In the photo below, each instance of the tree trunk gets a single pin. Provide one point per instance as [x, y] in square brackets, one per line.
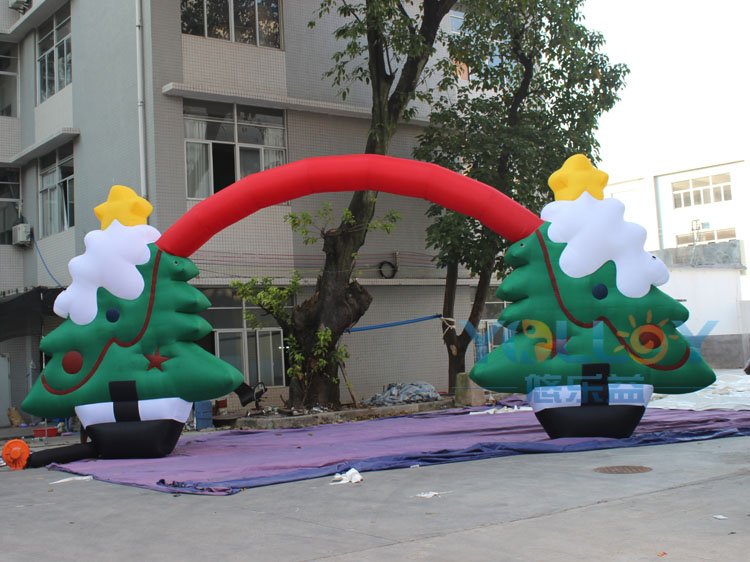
[456, 343]
[338, 302]
[456, 365]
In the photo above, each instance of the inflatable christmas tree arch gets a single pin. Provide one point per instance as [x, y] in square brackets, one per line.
[593, 334]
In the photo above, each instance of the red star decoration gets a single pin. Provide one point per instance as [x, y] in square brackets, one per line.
[155, 360]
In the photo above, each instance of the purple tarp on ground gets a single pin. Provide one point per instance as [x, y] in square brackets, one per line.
[226, 462]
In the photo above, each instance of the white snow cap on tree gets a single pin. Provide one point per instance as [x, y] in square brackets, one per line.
[596, 232]
[110, 262]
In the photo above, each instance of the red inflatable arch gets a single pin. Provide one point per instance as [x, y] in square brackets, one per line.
[347, 173]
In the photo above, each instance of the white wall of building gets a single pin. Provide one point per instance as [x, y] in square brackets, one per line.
[710, 295]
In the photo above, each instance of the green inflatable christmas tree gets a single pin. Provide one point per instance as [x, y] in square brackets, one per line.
[593, 337]
[149, 340]
[126, 352]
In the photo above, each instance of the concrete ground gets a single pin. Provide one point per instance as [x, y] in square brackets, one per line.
[545, 507]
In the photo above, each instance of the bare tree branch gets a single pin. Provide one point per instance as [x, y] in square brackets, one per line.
[407, 18]
[434, 12]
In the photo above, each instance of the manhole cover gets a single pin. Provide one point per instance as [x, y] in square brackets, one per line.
[622, 469]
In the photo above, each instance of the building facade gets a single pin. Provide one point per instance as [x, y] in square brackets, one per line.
[178, 100]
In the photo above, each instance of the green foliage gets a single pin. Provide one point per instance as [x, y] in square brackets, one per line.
[462, 240]
[296, 358]
[270, 298]
[324, 354]
[396, 32]
[305, 362]
[385, 44]
[537, 85]
[313, 227]
[386, 223]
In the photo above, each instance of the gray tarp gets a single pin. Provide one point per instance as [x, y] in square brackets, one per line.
[403, 393]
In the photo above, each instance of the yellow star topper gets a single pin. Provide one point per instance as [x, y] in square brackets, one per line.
[576, 176]
[125, 205]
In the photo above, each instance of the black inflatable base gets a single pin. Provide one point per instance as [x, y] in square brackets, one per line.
[62, 455]
[135, 439]
[600, 420]
[118, 440]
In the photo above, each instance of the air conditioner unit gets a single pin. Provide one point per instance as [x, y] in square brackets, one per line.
[22, 235]
[19, 5]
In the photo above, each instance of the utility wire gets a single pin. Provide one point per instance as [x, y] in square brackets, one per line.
[41, 257]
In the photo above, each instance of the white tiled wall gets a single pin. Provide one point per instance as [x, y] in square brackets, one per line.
[58, 250]
[11, 267]
[10, 138]
[7, 17]
[54, 114]
[216, 65]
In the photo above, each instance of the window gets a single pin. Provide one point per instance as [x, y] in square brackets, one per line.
[56, 191]
[455, 21]
[8, 80]
[9, 198]
[702, 191]
[257, 353]
[255, 22]
[706, 236]
[54, 54]
[726, 234]
[226, 142]
[492, 309]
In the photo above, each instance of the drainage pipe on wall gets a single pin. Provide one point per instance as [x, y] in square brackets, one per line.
[141, 97]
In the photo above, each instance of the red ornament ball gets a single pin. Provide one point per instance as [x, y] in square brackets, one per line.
[72, 362]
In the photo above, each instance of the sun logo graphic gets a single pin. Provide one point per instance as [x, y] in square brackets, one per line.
[647, 343]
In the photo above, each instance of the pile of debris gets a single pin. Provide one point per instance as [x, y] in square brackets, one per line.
[404, 393]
